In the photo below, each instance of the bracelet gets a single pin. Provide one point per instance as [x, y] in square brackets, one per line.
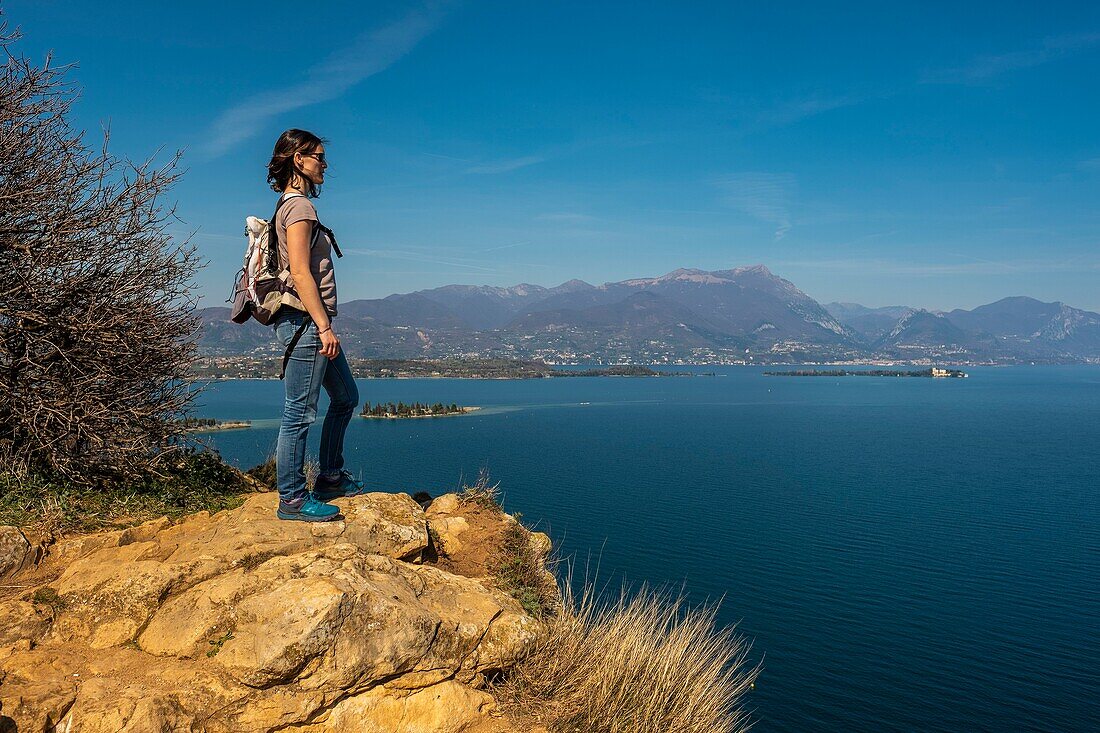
[326, 328]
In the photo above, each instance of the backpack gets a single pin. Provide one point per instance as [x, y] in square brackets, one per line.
[261, 285]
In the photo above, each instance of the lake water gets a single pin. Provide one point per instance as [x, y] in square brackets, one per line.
[906, 554]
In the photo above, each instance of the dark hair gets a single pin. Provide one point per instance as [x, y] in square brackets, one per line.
[280, 170]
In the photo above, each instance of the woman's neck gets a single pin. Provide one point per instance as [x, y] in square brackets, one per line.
[295, 185]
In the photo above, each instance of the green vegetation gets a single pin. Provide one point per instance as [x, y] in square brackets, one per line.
[519, 572]
[48, 597]
[619, 370]
[266, 473]
[216, 644]
[203, 424]
[198, 422]
[400, 409]
[188, 481]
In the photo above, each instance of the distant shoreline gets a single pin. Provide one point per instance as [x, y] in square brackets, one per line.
[559, 373]
[224, 368]
[931, 373]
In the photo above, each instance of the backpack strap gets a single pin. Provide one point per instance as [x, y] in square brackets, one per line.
[272, 263]
[331, 238]
[294, 342]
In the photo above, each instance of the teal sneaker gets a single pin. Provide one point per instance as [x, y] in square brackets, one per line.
[327, 489]
[309, 510]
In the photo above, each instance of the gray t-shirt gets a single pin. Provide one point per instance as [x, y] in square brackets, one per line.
[294, 210]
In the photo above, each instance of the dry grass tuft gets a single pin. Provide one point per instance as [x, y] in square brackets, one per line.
[483, 493]
[312, 468]
[639, 664]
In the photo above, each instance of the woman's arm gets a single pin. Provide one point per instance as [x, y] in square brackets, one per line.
[298, 237]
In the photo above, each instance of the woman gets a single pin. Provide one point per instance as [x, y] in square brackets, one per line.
[296, 170]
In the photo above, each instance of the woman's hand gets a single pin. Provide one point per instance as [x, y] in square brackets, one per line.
[330, 345]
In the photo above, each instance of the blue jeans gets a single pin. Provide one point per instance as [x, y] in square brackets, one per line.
[306, 372]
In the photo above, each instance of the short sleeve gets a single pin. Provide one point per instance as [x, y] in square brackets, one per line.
[297, 209]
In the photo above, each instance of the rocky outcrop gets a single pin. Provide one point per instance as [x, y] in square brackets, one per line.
[15, 551]
[240, 622]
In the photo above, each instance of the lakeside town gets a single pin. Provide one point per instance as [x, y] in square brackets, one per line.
[216, 368]
[266, 366]
[933, 373]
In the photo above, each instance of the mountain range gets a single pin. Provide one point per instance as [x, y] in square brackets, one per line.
[687, 316]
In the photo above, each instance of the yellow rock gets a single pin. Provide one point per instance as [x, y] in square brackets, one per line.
[447, 707]
[240, 622]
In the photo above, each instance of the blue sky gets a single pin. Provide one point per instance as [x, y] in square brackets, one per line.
[932, 154]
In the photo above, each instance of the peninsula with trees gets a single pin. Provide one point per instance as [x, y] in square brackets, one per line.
[400, 410]
[209, 424]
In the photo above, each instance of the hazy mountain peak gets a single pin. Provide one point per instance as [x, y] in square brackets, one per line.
[1017, 300]
[572, 285]
[702, 277]
[752, 270]
[690, 275]
[524, 289]
[682, 274]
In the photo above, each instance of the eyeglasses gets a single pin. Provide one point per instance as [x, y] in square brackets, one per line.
[319, 156]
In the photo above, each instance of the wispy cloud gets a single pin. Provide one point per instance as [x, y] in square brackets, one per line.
[372, 52]
[793, 110]
[566, 216]
[763, 196]
[448, 157]
[513, 245]
[987, 67]
[1092, 164]
[506, 165]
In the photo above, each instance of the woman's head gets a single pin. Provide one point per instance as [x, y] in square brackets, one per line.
[299, 161]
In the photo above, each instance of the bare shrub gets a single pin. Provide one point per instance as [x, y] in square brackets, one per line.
[642, 663]
[96, 322]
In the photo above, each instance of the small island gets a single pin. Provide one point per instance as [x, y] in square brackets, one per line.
[400, 410]
[934, 372]
[209, 424]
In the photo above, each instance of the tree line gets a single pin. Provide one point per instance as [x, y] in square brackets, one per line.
[416, 409]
